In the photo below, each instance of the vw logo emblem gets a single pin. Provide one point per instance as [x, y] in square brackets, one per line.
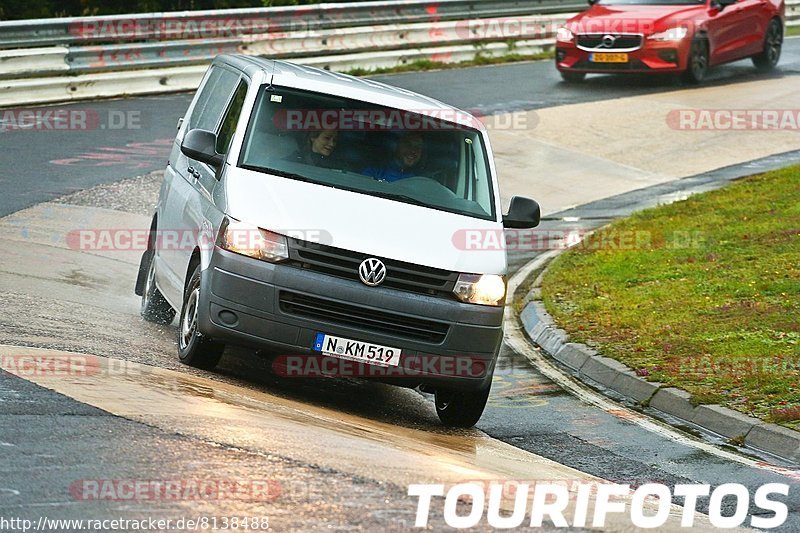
[372, 271]
[608, 41]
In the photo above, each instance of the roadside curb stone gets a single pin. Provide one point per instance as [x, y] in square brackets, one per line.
[529, 318]
[630, 385]
[593, 369]
[775, 439]
[675, 402]
[603, 370]
[574, 355]
[552, 339]
[724, 421]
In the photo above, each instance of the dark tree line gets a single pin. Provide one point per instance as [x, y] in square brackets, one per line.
[34, 9]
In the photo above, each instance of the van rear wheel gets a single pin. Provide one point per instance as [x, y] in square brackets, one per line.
[194, 348]
[461, 409]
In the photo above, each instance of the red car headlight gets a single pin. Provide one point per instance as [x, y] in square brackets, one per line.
[672, 34]
[564, 35]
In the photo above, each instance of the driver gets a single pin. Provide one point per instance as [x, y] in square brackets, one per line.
[406, 160]
[318, 149]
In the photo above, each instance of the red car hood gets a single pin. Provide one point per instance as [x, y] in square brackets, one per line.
[646, 19]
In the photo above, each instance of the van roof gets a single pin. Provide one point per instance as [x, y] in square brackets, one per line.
[379, 92]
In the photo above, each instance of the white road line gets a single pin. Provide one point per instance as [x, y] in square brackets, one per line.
[516, 339]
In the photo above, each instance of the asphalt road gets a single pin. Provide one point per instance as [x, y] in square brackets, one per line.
[126, 137]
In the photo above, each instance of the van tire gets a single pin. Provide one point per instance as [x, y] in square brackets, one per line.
[154, 307]
[461, 409]
[194, 348]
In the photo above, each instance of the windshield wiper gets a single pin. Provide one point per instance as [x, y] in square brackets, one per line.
[400, 198]
[281, 173]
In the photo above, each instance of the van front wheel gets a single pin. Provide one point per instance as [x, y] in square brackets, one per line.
[154, 307]
[194, 348]
[461, 409]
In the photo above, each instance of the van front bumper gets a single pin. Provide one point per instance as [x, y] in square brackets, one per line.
[445, 343]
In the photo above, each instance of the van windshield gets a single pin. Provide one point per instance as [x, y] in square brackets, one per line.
[437, 161]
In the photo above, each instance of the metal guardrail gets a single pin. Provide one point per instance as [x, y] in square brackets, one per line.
[238, 22]
[101, 44]
[304, 43]
[91, 57]
[793, 13]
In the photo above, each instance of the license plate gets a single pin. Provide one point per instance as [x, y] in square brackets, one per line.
[608, 57]
[373, 354]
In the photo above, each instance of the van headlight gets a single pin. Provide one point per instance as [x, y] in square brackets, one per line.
[246, 239]
[485, 289]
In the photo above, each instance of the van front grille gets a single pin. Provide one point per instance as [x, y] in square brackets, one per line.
[344, 264]
[362, 318]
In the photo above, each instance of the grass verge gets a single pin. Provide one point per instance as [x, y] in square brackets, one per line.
[792, 31]
[427, 64]
[703, 295]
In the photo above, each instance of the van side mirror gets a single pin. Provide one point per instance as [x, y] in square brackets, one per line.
[200, 145]
[523, 213]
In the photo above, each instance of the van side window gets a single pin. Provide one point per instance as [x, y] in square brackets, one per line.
[231, 118]
[212, 99]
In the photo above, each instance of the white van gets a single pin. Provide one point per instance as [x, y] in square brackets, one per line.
[318, 216]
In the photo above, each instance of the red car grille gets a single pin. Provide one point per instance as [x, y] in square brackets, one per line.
[609, 41]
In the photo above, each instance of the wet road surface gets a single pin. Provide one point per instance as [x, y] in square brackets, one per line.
[526, 410]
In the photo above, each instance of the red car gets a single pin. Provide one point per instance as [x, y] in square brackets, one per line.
[685, 37]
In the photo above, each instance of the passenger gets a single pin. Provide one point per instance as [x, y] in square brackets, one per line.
[405, 162]
[317, 149]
